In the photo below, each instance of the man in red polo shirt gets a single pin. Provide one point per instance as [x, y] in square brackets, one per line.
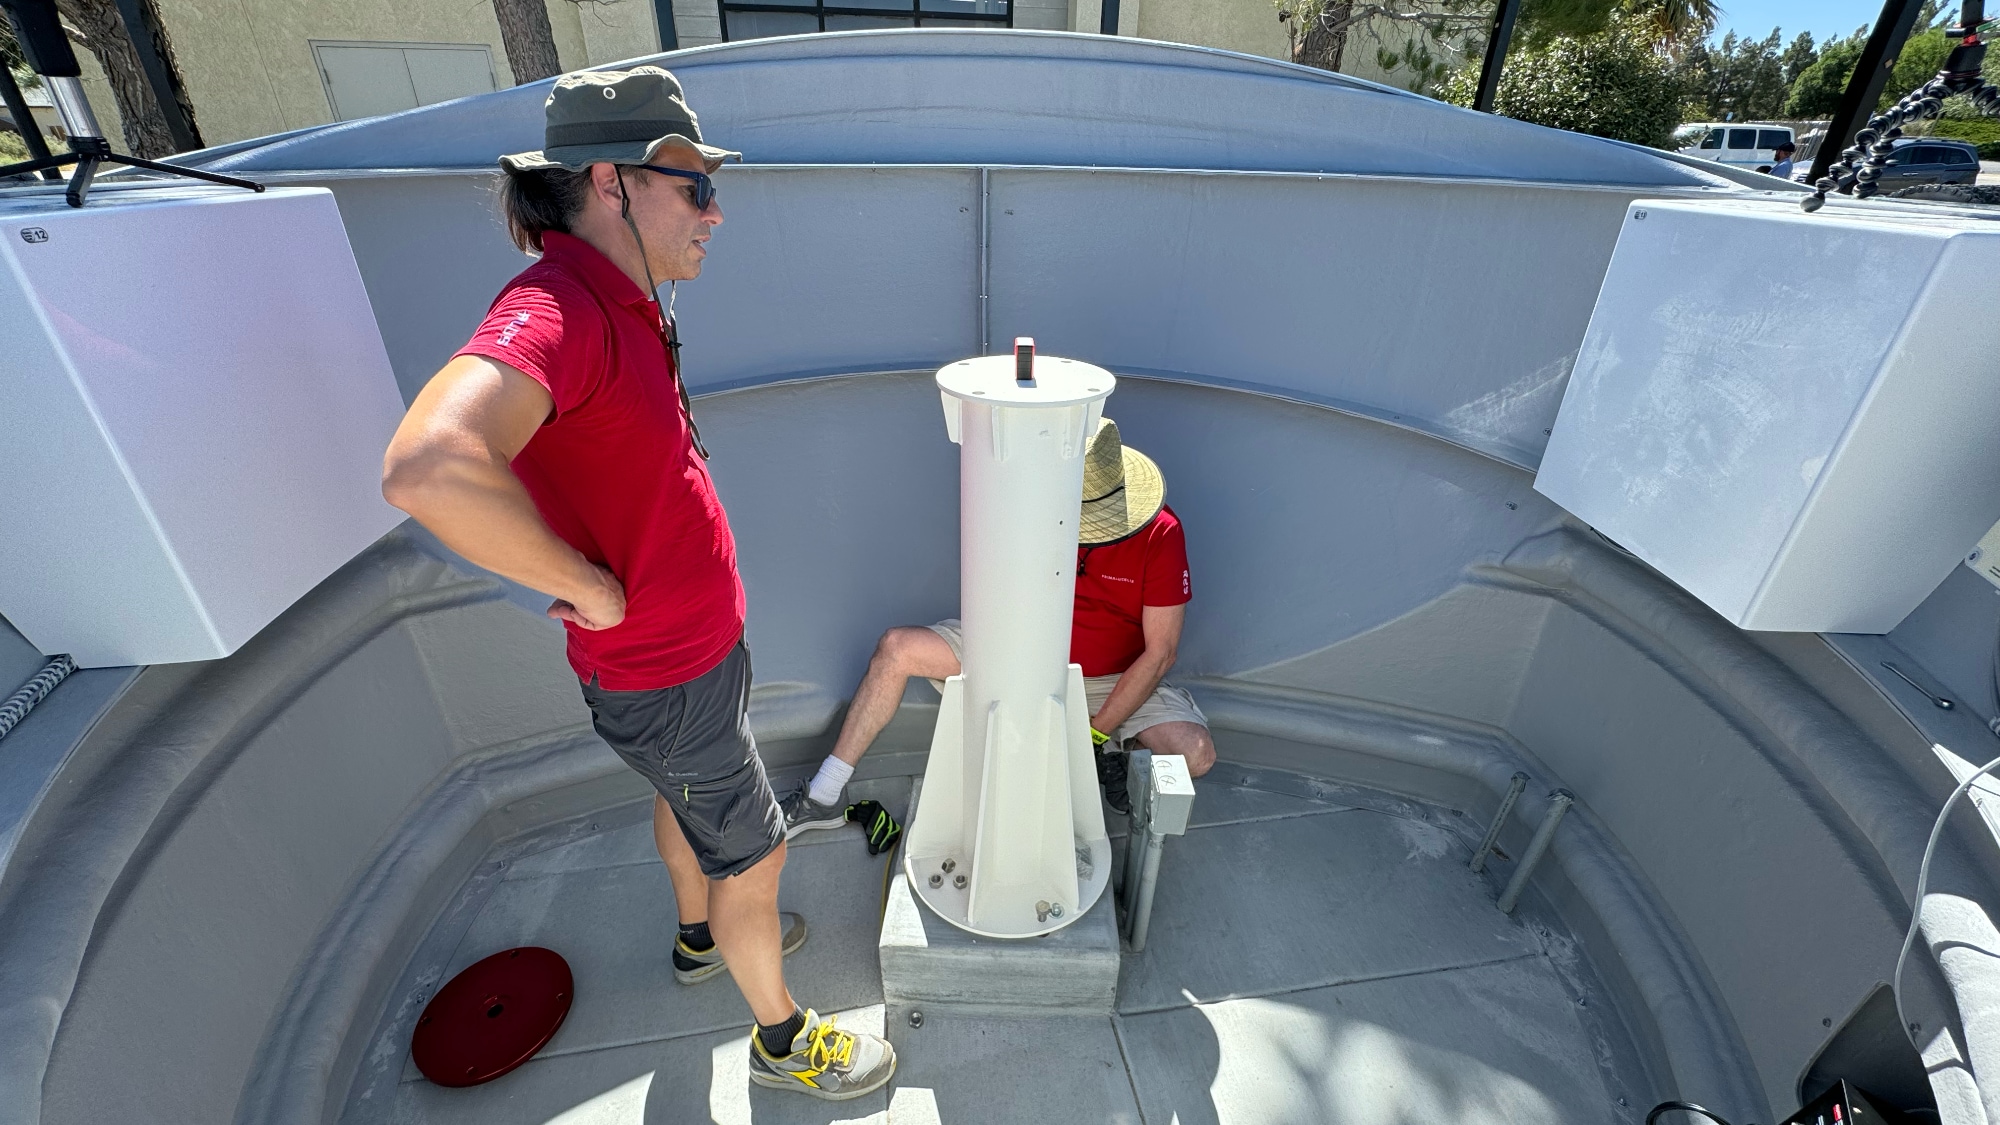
[1132, 590]
[559, 448]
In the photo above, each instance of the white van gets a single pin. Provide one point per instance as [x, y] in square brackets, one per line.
[1745, 145]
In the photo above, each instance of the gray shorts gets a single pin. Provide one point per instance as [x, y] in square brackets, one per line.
[693, 742]
[1167, 704]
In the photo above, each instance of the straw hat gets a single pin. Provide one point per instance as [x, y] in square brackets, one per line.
[616, 117]
[1122, 489]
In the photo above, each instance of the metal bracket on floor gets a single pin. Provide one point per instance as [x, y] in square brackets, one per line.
[1162, 796]
[1538, 846]
[1514, 787]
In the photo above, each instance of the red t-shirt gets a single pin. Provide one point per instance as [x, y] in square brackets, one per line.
[1114, 581]
[614, 470]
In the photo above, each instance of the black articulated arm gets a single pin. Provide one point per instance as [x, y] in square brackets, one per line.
[1861, 163]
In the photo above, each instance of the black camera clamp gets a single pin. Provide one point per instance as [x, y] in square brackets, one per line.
[1861, 163]
[38, 28]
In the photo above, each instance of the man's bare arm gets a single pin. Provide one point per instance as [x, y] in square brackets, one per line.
[1162, 627]
[449, 466]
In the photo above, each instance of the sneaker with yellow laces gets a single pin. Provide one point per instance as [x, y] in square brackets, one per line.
[825, 1062]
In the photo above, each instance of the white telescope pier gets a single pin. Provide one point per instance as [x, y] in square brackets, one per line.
[1008, 838]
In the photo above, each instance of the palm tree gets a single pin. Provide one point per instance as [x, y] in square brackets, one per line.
[1671, 19]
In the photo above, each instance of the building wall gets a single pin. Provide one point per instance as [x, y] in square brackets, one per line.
[249, 66]
[250, 70]
[1249, 26]
[698, 22]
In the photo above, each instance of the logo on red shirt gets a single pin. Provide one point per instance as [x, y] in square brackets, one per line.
[507, 333]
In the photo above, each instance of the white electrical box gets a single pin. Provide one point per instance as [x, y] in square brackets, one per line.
[196, 402]
[1790, 415]
[1985, 558]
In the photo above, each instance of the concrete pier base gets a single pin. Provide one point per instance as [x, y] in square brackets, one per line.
[930, 963]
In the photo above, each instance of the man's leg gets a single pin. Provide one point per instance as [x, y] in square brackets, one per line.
[901, 653]
[743, 917]
[690, 885]
[1190, 740]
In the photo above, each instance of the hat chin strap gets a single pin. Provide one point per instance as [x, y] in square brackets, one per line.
[669, 335]
[625, 213]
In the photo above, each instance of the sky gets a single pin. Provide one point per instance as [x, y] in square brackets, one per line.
[1826, 19]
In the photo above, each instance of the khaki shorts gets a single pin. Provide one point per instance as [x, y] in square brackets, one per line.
[1168, 704]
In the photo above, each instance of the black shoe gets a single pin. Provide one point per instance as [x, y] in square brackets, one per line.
[803, 814]
[1111, 777]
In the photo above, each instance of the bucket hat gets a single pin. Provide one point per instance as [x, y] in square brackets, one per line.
[1122, 489]
[615, 117]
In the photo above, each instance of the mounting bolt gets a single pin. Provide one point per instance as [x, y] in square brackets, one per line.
[1042, 911]
[948, 866]
[958, 881]
[937, 881]
[1055, 910]
[916, 1019]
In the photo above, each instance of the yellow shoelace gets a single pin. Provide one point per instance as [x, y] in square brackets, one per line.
[820, 1056]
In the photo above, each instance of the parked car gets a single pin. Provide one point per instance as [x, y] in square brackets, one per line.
[1749, 146]
[1914, 160]
[1930, 160]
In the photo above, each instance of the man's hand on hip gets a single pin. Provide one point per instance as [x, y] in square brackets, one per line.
[599, 607]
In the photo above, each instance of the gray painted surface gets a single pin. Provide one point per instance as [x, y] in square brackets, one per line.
[1358, 549]
[961, 97]
[1293, 1019]
[1522, 661]
[822, 271]
[295, 823]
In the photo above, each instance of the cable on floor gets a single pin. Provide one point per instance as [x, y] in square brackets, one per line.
[1684, 1107]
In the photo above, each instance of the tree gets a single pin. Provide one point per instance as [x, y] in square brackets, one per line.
[1923, 56]
[1735, 80]
[529, 40]
[1797, 57]
[1323, 29]
[97, 26]
[1614, 84]
[1816, 91]
[1428, 38]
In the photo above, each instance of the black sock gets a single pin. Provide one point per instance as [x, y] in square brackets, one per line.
[695, 936]
[777, 1037]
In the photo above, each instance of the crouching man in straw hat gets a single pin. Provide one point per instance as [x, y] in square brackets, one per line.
[1132, 591]
[558, 448]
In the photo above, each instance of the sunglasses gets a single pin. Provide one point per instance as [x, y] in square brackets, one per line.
[704, 188]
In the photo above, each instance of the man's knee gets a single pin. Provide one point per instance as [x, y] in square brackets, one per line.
[1190, 740]
[896, 650]
[764, 871]
[913, 650]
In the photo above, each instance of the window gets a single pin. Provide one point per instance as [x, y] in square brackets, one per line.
[370, 79]
[1713, 140]
[1957, 156]
[1743, 138]
[1772, 138]
[755, 19]
[1927, 154]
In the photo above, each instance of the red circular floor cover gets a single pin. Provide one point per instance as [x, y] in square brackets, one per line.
[492, 1017]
